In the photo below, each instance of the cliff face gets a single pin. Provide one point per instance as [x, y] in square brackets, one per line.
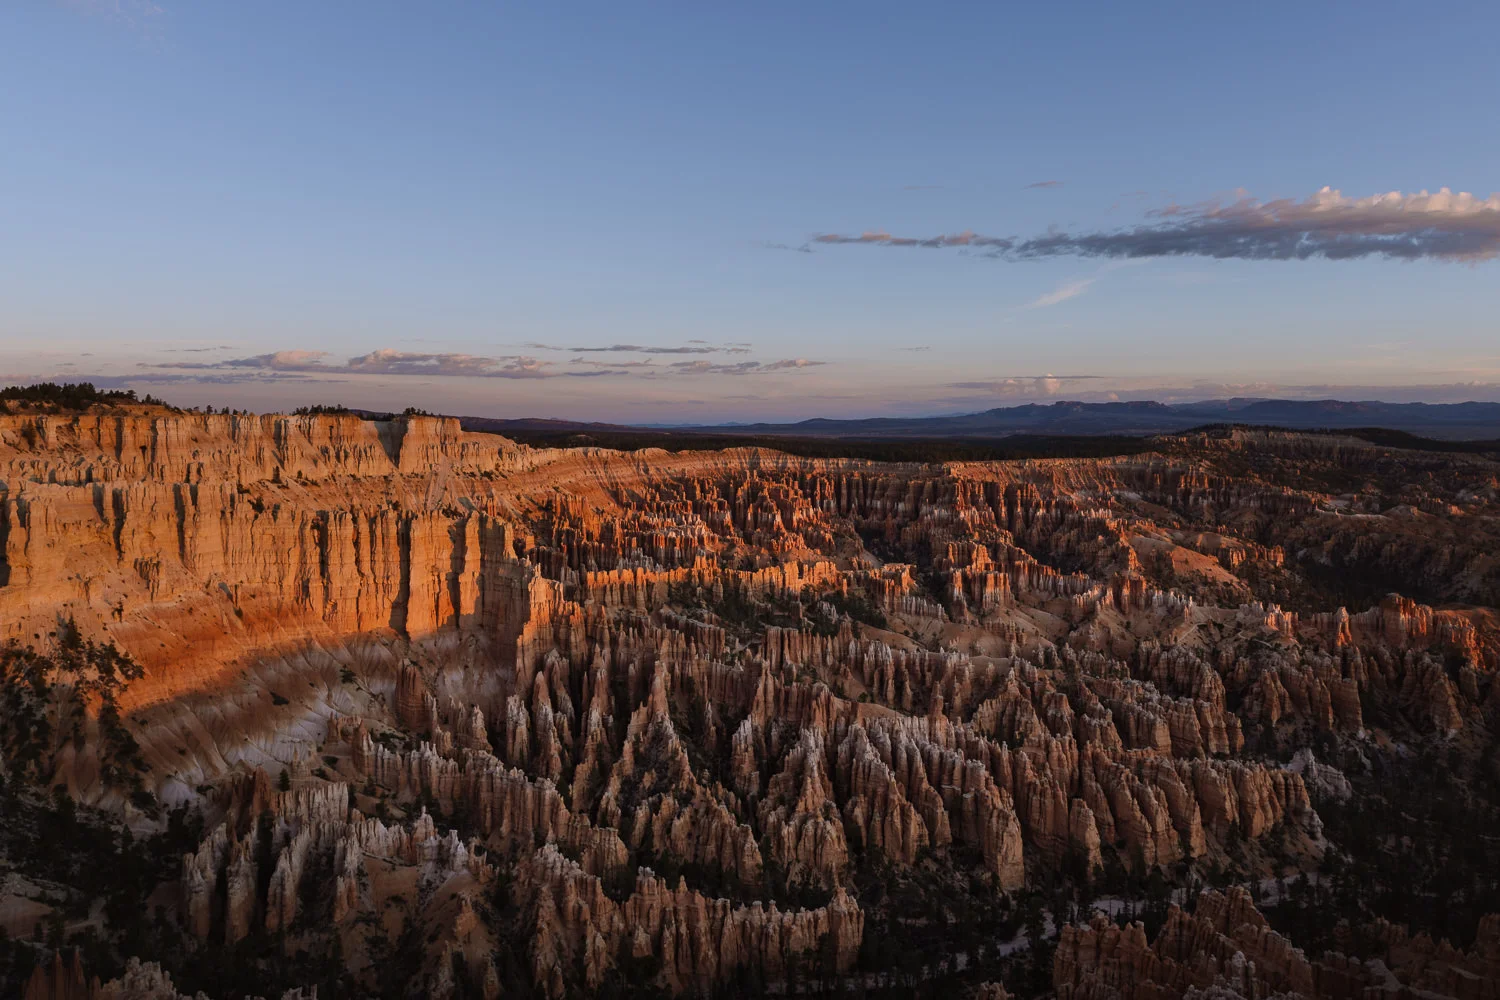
[153, 446]
[661, 717]
[206, 536]
[1225, 944]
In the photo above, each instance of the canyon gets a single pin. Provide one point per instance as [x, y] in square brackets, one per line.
[316, 705]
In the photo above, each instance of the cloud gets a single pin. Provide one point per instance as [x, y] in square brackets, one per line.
[639, 349]
[1441, 226]
[740, 368]
[1044, 184]
[381, 362]
[294, 364]
[804, 248]
[710, 368]
[1062, 293]
[691, 348]
[202, 377]
[612, 364]
[883, 239]
[391, 362]
[284, 361]
[1022, 385]
[1071, 289]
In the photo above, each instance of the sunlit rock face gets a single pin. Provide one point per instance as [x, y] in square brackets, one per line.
[484, 717]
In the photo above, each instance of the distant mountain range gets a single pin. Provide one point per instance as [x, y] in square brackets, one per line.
[1446, 421]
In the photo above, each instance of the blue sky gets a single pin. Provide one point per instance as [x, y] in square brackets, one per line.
[445, 199]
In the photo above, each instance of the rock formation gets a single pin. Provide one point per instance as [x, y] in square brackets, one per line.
[661, 716]
[1226, 949]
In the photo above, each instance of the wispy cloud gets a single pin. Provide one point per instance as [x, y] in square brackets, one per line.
[1062, 293]
[692, 347]
[391, 362]
[1044, 184]
[297, 364]
[285, 361]
[880, 238]
[612, 364]
[772, 366]
[209, 377]
[1442, 226]
[381, 362]
[1023, 386]
[740, 368]
[1076, 287]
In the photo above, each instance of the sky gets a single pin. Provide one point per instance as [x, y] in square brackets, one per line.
[674, 213]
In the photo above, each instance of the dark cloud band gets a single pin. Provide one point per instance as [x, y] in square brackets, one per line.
[1441, 226]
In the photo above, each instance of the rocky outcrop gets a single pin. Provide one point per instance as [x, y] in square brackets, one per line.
[655, 798]
[65, 980]
[699, 941]
[800, 818]
[221, 881]
[1225, 944]
[1225, 949]
[61, 979]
